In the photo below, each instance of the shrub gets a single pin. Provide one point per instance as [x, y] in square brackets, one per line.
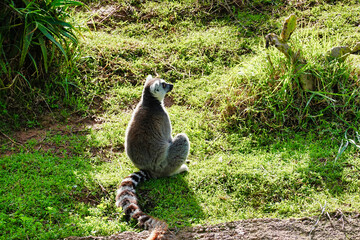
[31, 36]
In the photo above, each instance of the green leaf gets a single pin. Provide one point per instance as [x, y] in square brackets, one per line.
[63, 3]
[26, 41]
[44, 30]
[44, 52]
[35, 65]
[69, 35]
[342, 148]
[288, 27]
[58, 22]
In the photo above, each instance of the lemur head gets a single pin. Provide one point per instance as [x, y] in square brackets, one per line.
[157, 87]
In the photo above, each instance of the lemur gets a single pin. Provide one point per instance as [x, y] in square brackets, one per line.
[150, 146]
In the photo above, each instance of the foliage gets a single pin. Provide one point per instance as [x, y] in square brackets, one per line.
[261, 146]
[31, 32]
[36, 41]
[223, 68]
[276, 98]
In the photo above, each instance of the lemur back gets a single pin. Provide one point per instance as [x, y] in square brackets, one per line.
[151, 148]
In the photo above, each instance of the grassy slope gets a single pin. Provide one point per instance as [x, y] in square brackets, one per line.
[235, 174]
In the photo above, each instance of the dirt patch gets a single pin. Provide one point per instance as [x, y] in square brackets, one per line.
[111, 14]
[329, 226]
[88, 197]
[49, 126]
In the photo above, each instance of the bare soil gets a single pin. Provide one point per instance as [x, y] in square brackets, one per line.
[328, 226]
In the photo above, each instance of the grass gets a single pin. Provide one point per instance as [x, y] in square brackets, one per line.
[69, 189]
[260, 146]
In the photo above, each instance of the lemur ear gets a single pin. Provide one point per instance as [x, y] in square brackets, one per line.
[149, 77]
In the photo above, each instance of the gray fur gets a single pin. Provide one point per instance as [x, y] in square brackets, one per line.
[151, 148]
[148, 142]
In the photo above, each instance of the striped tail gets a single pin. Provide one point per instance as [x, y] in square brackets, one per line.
[127, 200]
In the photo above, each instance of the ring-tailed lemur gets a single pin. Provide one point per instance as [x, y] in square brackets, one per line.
[149, 145]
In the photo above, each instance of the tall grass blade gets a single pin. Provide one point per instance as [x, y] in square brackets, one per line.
[27, 38]
[354, 143]
[44, 30]
[63, 3]
[34, 63]
[44, 52]
[342, 148]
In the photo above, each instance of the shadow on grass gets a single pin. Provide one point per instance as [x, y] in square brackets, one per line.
[61, 193]
[284, 179]
[61, 190]
[326, 174]
[172, 200]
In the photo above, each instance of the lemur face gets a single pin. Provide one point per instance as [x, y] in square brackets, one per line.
[158, 87]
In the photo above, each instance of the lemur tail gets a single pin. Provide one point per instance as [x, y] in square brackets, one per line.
[127, 200]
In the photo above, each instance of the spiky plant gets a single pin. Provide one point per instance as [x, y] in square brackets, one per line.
[32, 33]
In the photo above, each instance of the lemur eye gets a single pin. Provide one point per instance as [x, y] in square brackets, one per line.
[164, 85]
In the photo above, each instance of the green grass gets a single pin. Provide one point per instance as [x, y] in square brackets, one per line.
[260, 145]
[41, 201]
[69, 189]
